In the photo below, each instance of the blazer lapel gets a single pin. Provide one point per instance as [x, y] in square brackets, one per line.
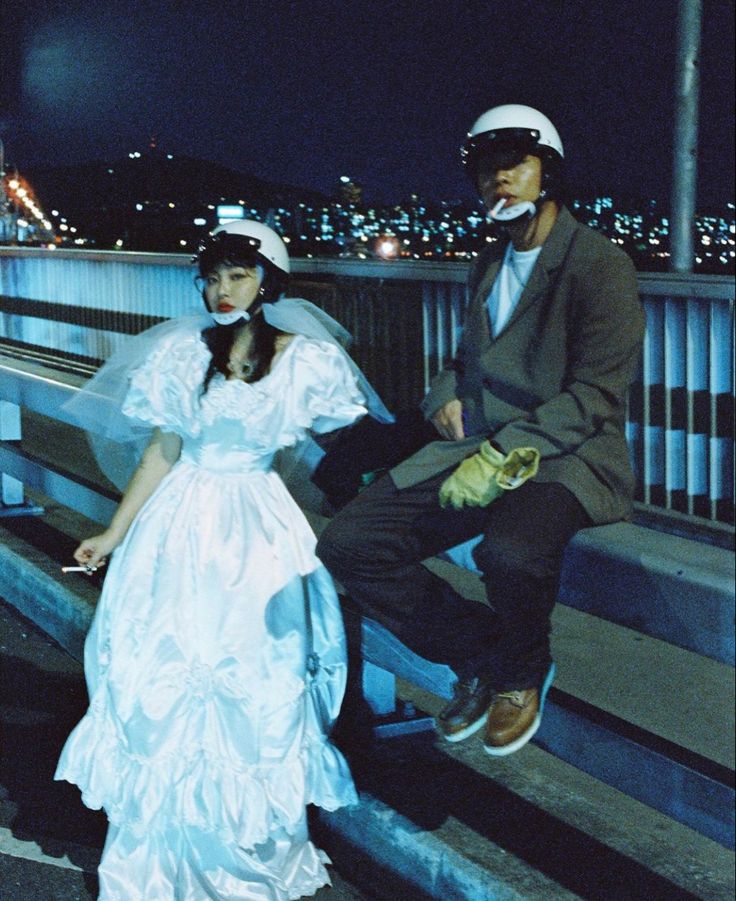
[554, 251]
[481, 296]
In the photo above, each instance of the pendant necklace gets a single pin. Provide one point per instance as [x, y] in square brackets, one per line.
[239, 369]
[239, 366]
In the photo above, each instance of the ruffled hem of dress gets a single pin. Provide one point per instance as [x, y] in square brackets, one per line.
[312, 874]
[242, 806]
[174, 863]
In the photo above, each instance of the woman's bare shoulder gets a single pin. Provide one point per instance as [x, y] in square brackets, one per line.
[283, 341]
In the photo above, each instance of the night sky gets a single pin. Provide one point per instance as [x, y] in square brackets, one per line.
[303, 92]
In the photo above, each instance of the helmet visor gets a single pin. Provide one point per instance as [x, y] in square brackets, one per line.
[224, 247]
[503, 149]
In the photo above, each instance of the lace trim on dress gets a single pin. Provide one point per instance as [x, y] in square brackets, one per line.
[242, 805]
[165, 391]
[326, 396]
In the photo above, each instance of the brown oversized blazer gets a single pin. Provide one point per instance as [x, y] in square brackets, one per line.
[556, 377]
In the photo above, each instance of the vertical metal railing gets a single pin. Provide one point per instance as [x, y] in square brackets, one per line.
[685, 455]
[407, 320]
[443, 310]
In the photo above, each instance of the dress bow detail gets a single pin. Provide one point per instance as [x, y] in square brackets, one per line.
[180, 680]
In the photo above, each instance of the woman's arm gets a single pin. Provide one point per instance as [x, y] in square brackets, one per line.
[162, 452]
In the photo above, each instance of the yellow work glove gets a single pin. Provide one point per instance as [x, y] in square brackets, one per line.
[481, 478]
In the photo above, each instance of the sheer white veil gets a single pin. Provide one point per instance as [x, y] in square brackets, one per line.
[301, 317]
[118, 441]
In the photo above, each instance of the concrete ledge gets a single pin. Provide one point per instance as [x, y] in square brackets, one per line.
[668, 587]
[416, 856]
[28, 583]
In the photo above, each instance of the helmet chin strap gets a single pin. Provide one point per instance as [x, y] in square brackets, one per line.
[229, 318]
[501, 213]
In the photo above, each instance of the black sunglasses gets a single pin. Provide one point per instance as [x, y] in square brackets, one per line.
[225, 246]
[500, 149]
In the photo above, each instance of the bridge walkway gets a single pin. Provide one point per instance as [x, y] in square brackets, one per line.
[448, 822]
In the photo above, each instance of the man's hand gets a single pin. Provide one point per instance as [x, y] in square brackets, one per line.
[448, 421]
[482, 477]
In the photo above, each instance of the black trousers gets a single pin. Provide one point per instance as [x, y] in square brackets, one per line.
[376, 544]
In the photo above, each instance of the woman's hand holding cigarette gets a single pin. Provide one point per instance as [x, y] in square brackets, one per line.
[92, 553]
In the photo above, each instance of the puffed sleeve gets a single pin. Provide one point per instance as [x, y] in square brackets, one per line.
[326, 389]
[147, 382]
[310, 388]
[165, 389]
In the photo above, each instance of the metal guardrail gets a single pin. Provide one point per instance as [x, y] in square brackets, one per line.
[31, 386]
[406, 317]
[670, 778]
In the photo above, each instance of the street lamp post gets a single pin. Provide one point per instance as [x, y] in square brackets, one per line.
[3, 196]
[685, 162]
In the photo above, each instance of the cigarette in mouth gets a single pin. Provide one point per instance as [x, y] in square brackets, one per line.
[497, 208]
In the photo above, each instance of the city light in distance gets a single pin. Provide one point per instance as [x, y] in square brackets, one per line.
[387, 247]
[344, 225]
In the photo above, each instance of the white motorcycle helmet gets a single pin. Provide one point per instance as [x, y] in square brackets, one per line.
[526, 130]
[250, 243]
[270, 246]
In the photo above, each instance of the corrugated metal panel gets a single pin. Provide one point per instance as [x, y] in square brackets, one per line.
[407, 323]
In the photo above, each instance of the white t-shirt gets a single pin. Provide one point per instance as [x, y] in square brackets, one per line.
[509, 285]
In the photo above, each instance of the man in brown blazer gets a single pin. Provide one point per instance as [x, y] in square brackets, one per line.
[550, 344]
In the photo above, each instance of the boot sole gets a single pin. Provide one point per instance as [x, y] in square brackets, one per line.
[466, 732]
[524, 738]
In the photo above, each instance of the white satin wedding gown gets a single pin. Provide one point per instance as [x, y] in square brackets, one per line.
[206, 734]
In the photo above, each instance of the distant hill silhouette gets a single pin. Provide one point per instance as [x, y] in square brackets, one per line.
[100, 198]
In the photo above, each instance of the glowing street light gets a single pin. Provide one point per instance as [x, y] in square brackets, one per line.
[387, 247]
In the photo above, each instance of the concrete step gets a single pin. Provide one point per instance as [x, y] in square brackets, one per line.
[454, 823]
[446, 822]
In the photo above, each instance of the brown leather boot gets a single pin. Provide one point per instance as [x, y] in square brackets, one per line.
[467, 710]
[514, 717]
[512, 720]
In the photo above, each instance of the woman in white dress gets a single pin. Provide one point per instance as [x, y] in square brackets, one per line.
[216, 661]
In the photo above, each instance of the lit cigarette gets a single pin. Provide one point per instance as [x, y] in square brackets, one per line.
[497, 208]
[79, 569]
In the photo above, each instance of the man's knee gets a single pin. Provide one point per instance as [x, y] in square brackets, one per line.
[503, 559]
[330, 546]
[342, 545]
